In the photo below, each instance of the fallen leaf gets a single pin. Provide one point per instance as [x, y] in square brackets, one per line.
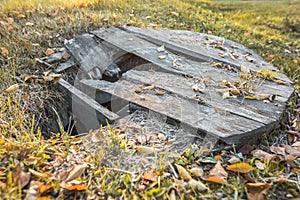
[150, 175]
[78, 187]
[161, 48]
[280, 81]
[4, 51]
[262, 155]
[240, 167]
[162, 57]
[233, 160]
[49, 51]
[257, 191]
[197, 185]
[20, 176]
[218, 170]
[150, 87]
[31, 160]
[27, 78]
[260, 97]
[290, 150]
[197, 172]
[33, 192]
[160, 92]
[42, 187]
[278, 150]
[218, 157]
[216, 179]
[183, 173]
[138, 91]
[146, 150]
[52, 78]
[12, 88]
[76, 172]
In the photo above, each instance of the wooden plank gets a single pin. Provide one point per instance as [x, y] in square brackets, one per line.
[88, 113]
[201, 117]
[206, 47]
[181, 86]
[146, 50]
[91, 54]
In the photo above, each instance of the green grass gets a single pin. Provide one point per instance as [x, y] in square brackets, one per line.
[269, 28]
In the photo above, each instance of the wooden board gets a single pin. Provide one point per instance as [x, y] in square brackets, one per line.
[188, 60]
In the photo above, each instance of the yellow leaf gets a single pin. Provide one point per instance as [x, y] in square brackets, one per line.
[240, 167]
[138, 91]
[12, 88]
[160, 92]
[280, 81]
[78, 187]
[2, 141]
[216, 179]
[183, 173]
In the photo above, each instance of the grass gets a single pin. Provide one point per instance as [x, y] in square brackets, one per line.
[29, 28]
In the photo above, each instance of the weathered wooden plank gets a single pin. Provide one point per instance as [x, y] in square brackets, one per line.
[88, 113]
[206, 47]
[146, 50]
[92, 55]
[201, 117]
[182, 86]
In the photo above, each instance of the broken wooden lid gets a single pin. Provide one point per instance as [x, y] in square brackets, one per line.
[211, 85]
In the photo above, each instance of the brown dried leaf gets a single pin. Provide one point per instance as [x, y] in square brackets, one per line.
[262, 155]
[151, 87]
[4, 51]
[197, 172]
[278, 150]
[218, 170]
[290, 150]
[183, 173]
[233, 160]
[257, 191]
[146, 150]
[49, 51]
[20, 176]
[76, 172]
[150, 175]
[197, 185]
[240, 167]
